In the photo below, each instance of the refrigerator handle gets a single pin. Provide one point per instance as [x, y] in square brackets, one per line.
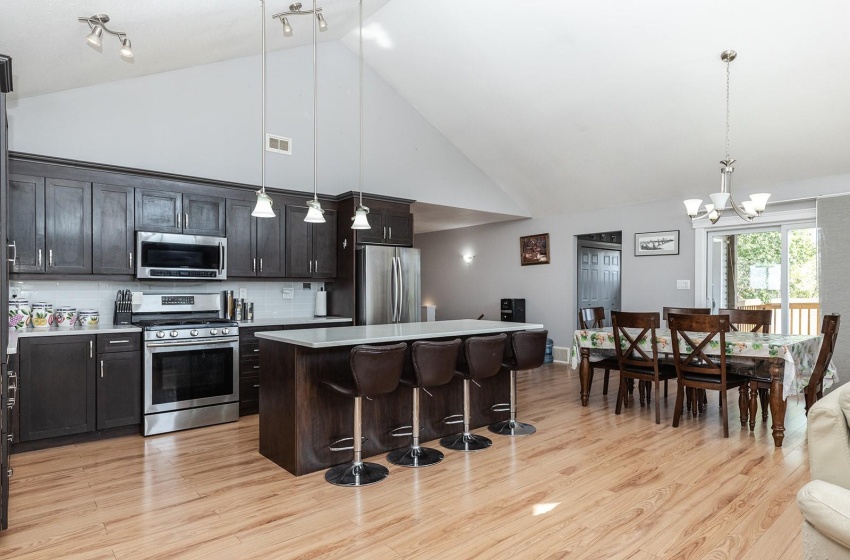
[394, 290]
[400, 291]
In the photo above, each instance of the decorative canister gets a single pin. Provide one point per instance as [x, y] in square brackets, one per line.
[88, 317]
[25, 310]
[42, 315]
[17, 320]
[65, 317]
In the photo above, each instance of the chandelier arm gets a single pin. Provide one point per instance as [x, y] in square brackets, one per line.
[742, 213]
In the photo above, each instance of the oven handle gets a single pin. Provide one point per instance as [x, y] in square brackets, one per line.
[191, 342]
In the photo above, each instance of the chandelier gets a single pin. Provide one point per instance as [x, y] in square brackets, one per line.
[748, 209]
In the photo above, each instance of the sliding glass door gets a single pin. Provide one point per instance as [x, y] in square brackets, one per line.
[772, 267]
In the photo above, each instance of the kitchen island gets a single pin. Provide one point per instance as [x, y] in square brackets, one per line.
[299, 418]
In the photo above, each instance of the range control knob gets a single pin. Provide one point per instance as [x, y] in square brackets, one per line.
[213, 332]
[160, 334]
[173, 334]
[225, 331]
[193, 332]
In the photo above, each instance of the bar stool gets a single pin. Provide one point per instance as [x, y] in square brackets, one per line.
[433, 365]
[529, 349]
[483, 359]
[375, 370]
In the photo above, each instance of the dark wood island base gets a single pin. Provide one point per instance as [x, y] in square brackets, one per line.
[299, 418]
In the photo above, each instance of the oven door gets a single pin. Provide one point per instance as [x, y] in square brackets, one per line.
[191, 373]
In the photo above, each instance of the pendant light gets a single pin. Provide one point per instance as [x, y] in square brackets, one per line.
[748, 209]
[315, 214]
[263, 208]
[360, 219]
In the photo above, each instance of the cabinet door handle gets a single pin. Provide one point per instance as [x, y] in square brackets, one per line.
[10, 437]
[261, 265]
[385, 232]
[253, 265]
[38, 259]
[130, 255]
[256, 367]
[311, 267]
[50, 257]
[14, 253]
[256, 349]
[391, 232]
[178, 220]
[186, 220]
[91, 349]
[101, 368]
[256, 386]
[316, 268]
[119, 342]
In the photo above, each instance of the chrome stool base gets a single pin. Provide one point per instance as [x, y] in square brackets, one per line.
[356, 474]
[466, 442]
[415, 457]
[512, 428]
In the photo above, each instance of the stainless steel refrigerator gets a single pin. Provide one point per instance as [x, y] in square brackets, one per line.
[388, 289]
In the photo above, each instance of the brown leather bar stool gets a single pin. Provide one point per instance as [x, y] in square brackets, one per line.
[529, 350]
[433, 365]
[483, 359]
[375, 370]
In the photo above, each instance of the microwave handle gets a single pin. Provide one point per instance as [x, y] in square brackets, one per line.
[220, 257]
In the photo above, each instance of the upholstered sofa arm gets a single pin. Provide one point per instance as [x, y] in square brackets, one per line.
[827, 508]
[829, 438]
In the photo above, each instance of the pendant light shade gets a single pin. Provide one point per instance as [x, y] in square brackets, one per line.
[263, 209]
[360, 221]
[315, 214]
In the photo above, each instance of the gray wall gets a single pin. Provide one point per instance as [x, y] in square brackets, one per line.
[835, 272]
[461, 290]
[205, 121]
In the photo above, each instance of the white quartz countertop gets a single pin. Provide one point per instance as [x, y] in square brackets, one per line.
[271, 321]
[385, 334]
[64, 331]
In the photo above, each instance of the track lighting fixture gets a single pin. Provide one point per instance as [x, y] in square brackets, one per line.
[97, 24]
[295, 10]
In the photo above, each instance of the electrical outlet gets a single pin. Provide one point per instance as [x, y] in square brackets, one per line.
[683, 284]
[288, 293]
[14, 293]
[243, 293]
[307, 286]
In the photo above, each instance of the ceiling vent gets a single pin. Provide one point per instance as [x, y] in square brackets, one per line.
[279, 144]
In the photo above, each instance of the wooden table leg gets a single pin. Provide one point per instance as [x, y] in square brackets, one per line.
[584, 374]
[777, 402]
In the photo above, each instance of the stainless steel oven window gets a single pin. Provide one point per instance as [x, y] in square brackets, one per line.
[186, 374]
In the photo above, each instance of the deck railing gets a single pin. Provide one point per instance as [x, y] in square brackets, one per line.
[805, 317]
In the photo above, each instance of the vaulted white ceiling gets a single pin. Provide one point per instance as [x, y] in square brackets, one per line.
[564, 105]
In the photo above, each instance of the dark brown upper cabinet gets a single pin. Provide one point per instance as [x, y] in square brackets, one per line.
[388, 227]
[310, 248]
[255, 246]
[170, 212]
[113, 214]
[26, 223]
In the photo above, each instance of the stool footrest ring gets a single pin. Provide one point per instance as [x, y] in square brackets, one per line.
[501, 407]
[396, 433]
[333, 445]
[453, 419]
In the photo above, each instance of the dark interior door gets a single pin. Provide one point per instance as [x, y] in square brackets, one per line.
[599, 278]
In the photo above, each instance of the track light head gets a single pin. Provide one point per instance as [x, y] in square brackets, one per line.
[287, 29]
[126, 48]
[323, 25]
[97, 24]
[94, 38]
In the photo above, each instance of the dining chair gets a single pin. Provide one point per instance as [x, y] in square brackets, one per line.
[594, 318]
[697, 370]
[751, 320]
[635, 362]
[665, 312]
[829, 335]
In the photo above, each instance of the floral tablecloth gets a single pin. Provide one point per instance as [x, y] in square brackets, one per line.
[799, 352]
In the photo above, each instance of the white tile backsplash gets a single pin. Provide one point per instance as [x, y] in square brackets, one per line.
[266, 296]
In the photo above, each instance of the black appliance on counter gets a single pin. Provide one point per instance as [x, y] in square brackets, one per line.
[8, 381]
[191, 361]
[513, 310]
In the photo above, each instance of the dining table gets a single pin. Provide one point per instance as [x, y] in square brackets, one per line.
[791, 359]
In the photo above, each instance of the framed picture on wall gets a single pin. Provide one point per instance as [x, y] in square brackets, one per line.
[654, 243]
[534, 249]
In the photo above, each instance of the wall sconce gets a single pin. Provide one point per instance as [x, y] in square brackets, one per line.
[97, 24]
[467, 258]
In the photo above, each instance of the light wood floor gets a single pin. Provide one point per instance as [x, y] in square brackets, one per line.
[588, 484]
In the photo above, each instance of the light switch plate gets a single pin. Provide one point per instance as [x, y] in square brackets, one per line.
[243, 293]
[14, 292]
[683, 284]
[288, 293]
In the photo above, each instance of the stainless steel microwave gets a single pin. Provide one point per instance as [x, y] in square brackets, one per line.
[175, 256]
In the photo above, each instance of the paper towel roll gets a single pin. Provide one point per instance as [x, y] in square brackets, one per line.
[321, 303]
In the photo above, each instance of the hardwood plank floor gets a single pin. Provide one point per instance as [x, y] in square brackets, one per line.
[588, 484]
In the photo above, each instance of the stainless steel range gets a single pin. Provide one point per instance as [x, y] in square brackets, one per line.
[191, 361]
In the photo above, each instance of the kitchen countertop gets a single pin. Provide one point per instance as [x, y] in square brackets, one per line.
[271, 321]
[103, 328]
[382, 334]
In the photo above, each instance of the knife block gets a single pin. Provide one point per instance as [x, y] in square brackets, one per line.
[120, 317]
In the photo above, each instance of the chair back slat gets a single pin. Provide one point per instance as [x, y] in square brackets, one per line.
[627, 345]
[829, 332]
[752, 320]
[591, 317]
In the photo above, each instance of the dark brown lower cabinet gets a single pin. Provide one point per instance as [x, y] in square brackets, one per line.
[57, 386]
[67, 387]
